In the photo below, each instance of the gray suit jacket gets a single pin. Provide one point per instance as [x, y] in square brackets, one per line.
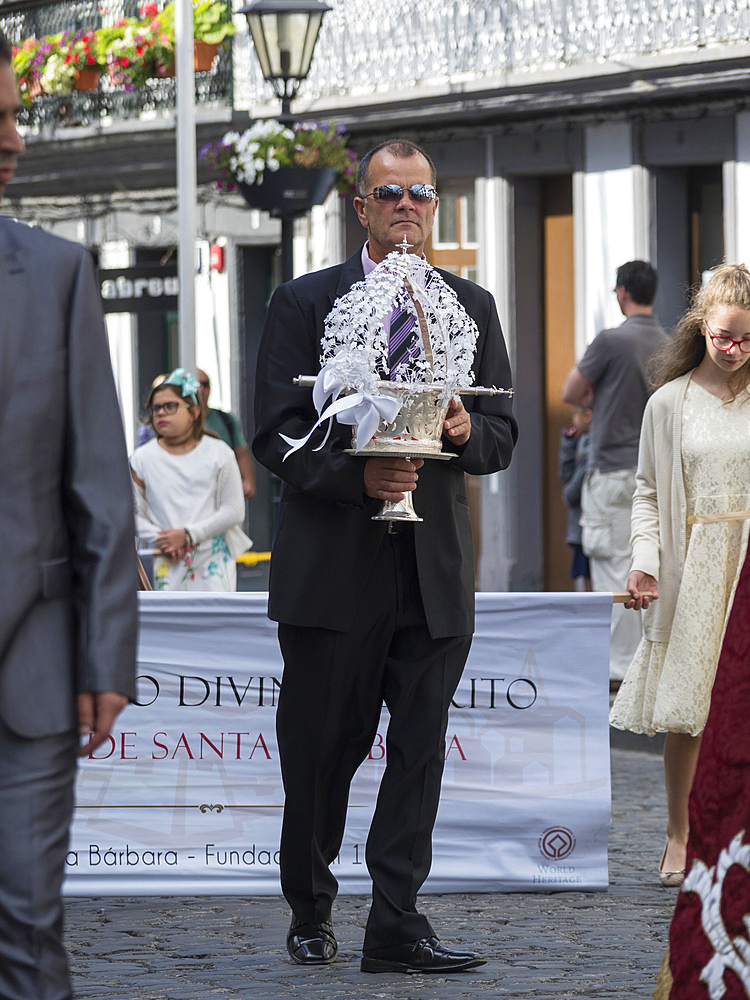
[67, 558]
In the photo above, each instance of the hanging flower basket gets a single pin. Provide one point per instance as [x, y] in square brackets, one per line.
[272, 163]
[204, 55]
[289, 191]
[86, 79]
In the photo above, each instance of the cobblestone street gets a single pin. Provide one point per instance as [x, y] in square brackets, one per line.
[555, 946]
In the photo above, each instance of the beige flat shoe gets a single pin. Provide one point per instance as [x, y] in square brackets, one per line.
[670, 880]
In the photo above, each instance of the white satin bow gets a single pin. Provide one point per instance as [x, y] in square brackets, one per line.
[365, 410]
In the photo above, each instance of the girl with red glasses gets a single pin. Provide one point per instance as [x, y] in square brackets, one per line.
[691, 514]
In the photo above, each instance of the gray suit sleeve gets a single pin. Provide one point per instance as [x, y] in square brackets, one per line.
[98, 501]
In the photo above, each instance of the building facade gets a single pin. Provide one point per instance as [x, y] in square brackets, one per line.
[569, 137]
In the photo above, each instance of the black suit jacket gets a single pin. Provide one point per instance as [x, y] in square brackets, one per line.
[324, 539]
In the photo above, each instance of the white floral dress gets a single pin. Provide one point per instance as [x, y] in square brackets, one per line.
[668, 685]
[200, 491]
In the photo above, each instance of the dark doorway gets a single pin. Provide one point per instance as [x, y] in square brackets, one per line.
[256, 267]
[689, 233]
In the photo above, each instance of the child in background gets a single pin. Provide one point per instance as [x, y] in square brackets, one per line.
[188, 493]
[574, 447]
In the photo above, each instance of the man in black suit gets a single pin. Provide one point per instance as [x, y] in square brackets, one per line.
[368, 611]
[68, 577]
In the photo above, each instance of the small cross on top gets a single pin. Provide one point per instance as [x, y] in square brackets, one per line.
[403, 246]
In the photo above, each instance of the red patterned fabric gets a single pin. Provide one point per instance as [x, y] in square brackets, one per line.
[719, 812]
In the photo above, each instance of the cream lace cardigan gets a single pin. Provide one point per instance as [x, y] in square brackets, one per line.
[659, 517]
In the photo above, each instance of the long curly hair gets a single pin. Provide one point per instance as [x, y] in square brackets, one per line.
[729, 285]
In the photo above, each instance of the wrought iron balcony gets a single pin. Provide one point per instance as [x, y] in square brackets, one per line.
[449, 47]
[469, 45]
[21, 19]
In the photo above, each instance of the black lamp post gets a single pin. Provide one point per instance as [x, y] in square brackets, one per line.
[284, 34]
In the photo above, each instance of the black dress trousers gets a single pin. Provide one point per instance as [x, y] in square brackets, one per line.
[333, 688]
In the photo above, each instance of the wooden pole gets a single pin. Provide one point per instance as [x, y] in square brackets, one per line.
[143, 581]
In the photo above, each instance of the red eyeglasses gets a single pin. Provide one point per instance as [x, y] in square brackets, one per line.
[727, 343]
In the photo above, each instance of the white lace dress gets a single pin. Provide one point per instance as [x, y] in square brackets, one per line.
[668, 685]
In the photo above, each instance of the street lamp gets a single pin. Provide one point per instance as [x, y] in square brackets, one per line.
[284, 34]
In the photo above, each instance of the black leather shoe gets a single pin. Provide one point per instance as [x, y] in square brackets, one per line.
[425, 955]
[311, 944]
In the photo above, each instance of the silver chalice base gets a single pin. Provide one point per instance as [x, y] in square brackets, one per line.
[415, 433]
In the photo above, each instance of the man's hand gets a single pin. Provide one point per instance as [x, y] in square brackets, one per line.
[248, 488]
[97, 712]
[247, 471]
[391, 478]
[457, 424]
[643, 588]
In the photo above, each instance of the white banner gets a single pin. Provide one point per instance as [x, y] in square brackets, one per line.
[186, 796]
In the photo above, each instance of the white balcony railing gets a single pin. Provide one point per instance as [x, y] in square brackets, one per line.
[383, 48]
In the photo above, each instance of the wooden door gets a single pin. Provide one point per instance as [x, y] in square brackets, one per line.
[559, 358]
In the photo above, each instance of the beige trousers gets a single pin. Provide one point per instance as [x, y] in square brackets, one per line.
[606, 502]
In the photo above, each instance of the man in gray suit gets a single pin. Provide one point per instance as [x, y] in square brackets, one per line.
[68, 575]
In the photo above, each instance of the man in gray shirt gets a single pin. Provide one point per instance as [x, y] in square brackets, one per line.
[611, 378]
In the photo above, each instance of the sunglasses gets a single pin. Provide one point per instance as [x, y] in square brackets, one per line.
[394, 192]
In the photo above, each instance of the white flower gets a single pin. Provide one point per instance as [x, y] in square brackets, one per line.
[57, 77]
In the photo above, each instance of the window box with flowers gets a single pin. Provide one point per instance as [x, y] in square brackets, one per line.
[210, 30]
[131, 52]
[28, 60]
[85, 53]
[41, 67]
[57, 73]
[284, 171]
[55, 64]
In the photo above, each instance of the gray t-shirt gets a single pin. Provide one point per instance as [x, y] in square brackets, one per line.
[615, 361]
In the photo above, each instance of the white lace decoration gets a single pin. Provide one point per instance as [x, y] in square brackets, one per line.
[355, 341]
[354, 356]
[729, 953]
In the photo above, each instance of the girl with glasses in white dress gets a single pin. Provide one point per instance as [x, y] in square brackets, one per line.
[188, 493]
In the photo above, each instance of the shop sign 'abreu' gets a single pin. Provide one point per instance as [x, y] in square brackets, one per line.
[146, 288]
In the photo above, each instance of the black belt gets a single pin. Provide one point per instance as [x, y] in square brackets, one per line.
[400, 527]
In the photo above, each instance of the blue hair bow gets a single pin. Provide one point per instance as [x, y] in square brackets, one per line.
[187, 383]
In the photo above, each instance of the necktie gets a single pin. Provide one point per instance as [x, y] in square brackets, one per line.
[404, 342]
